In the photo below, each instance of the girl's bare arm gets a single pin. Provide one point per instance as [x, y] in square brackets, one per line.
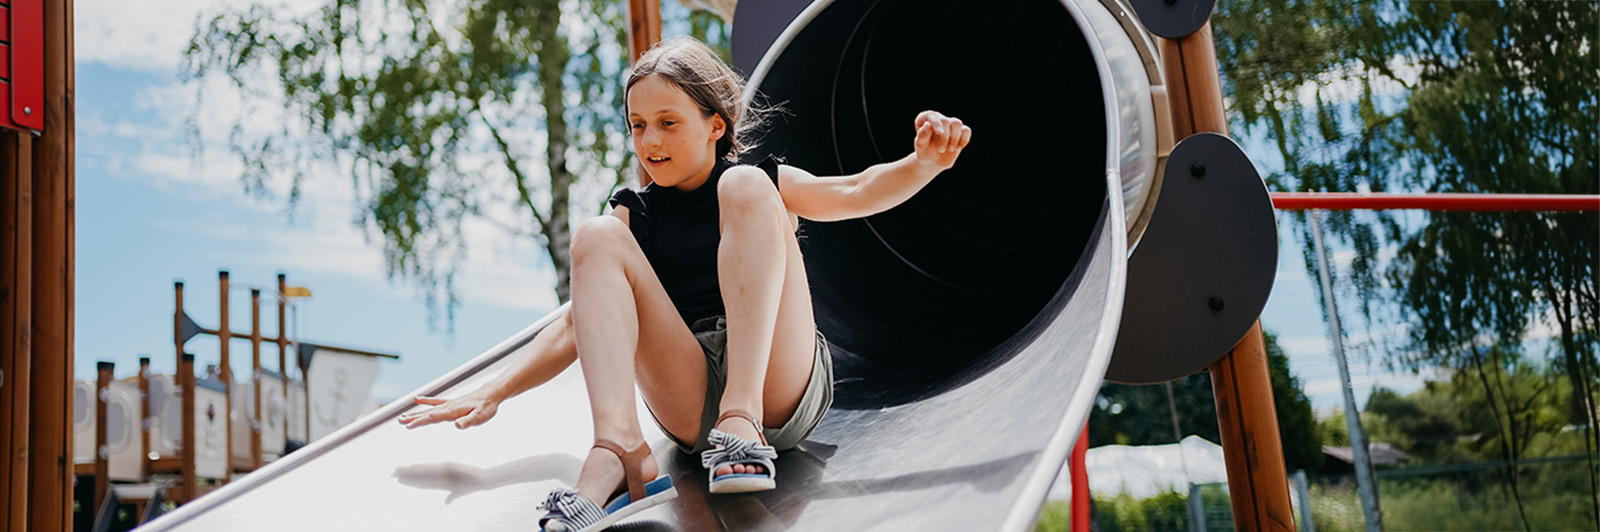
[550, 353]
[938, 143]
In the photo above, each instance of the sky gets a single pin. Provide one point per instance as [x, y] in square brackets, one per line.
[151, 211]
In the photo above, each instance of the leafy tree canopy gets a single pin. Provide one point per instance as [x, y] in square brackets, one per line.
[442, 110]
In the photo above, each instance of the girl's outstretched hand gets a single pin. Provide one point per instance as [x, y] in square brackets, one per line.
[940, 139]
[469, 410]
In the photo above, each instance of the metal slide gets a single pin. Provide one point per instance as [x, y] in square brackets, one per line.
[971, 326]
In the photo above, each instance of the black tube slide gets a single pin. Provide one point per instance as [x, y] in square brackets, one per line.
[915, 298]
[971, 325]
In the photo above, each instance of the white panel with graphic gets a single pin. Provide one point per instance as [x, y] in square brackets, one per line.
[340, 388]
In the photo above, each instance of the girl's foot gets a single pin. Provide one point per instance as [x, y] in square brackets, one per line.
[603, 476]
[740, 460]
[598, 502]
[744, 429]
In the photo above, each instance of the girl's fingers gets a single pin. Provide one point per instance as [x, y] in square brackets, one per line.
[966, 136]
[952, 135]
[472, 419]
[924, 136]
[429, 400]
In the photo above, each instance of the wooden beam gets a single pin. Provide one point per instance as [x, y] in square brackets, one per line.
[50, 452]
[144, 417]
[644, 26]
[227, 379]
[255, 378]
[186, 383]
[102, 460]
[1257, 478]
[17, 324]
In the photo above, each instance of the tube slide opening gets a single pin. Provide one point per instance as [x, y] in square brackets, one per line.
[925, 296]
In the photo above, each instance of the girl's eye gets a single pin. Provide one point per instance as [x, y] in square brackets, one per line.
[668, 123]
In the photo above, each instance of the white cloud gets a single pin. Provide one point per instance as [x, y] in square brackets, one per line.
[145, 37]
[1305, 345]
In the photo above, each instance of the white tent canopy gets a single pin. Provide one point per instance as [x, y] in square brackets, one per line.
[1146, 470]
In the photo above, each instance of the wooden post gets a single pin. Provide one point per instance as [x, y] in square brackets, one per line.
[283, 344]
[1257, 478]
[145, 413]
[186, 383]
[50, 427]
[102, 455]
[644, 25]
[644, 31]
[18, 324]
[225, 337]
[255, 378]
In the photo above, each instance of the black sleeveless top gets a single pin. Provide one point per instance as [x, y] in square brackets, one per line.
[679, 232]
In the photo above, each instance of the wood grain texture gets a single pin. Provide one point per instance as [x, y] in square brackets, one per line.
[1257, 478]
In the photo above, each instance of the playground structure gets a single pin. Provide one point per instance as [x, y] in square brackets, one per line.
[968, 354]
[161, 438]
[890, 459]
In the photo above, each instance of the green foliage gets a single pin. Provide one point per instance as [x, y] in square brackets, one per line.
[1297, 424]
[1459, 502]
[1055, 516]
[1473, 97]
[1465, 447]
[1454, 421]
[1141, 415]
[442, 110]
[1164, 511]
[1335, 508]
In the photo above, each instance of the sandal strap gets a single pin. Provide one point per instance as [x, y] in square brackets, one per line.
[741, 414]
[729, 449]
[632, 465]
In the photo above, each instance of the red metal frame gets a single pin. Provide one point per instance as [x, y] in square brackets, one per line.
[22, 69]
[1436, 202]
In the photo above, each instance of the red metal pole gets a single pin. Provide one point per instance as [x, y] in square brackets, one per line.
[1080, 482]
[1437, 202]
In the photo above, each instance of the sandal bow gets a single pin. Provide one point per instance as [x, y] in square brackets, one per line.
[730, 448]
[569, 510]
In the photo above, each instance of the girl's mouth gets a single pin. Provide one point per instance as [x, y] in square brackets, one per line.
[657, 161]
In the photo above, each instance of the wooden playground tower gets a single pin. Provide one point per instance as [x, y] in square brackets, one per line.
[194, 468]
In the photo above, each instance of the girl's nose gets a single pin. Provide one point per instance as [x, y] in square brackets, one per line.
[649, 138]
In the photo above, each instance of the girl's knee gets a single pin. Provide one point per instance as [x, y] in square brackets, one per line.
[745, 188]
[598, 236]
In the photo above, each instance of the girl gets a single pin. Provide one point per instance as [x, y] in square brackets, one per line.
[694, 290]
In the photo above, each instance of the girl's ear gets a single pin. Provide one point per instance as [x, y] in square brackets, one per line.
[719, 127]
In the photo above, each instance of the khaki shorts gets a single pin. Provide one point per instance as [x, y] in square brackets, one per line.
[712, 334]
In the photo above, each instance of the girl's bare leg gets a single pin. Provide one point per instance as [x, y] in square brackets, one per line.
[623, 321]
[771, 329]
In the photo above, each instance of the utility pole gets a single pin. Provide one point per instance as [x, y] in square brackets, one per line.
[1352, 417]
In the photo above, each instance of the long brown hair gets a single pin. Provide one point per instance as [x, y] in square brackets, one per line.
[695, 69]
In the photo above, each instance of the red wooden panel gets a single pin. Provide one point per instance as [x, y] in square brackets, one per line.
[5, 24]
[5, 101]
[27, 64]
[5, 65]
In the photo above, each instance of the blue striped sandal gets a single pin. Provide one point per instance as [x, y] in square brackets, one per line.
[728, 450]
[569, 512]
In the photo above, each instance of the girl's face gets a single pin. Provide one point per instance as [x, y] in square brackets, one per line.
[674, 141]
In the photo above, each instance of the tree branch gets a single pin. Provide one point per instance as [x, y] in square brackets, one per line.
[523, 192]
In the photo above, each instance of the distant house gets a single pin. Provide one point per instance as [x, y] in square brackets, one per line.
[1381, 454]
